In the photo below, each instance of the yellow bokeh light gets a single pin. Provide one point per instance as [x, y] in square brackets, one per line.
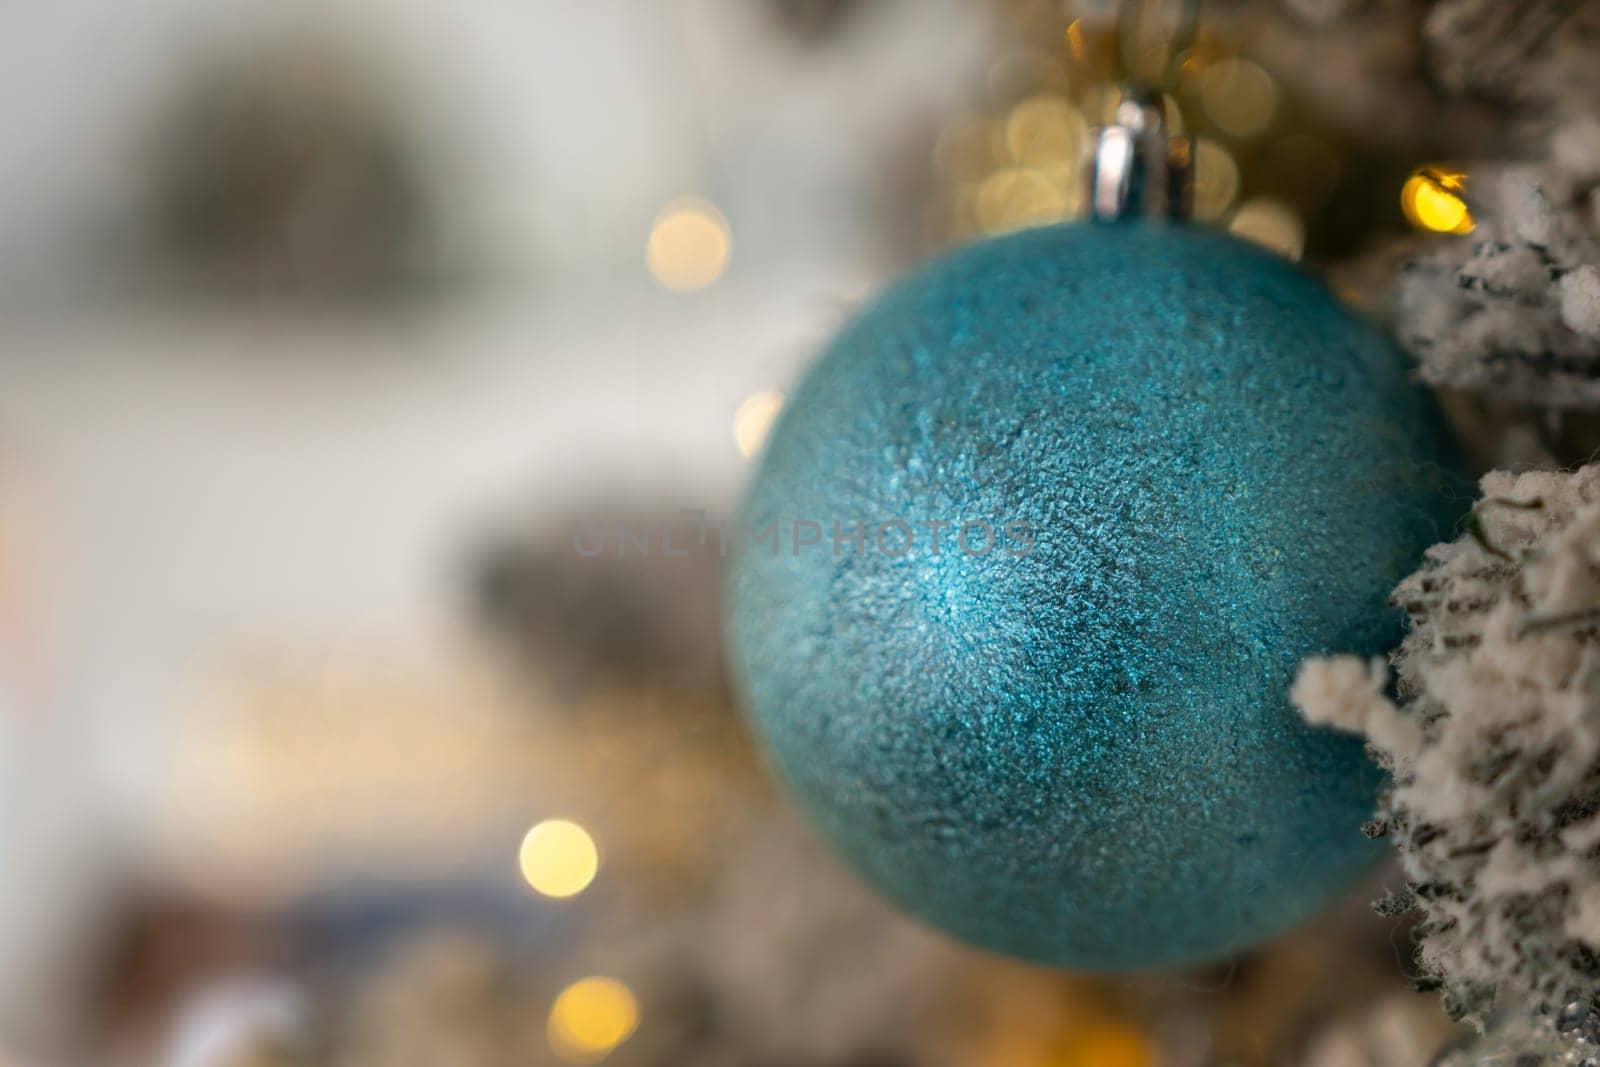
[1099, 101]
[559, 858]
[1216, 179]
[1018, 197]
[1433, 199]
[1110, 1045]
[1045, 129]
[1271, 223]
[753, 420]
[689, 245]
[1240, 97]
[590, 1018]
[1075, 43]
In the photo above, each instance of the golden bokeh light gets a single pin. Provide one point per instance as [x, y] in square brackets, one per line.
[559, 858]
[1099, 101]
[1434, 199]
[1110, 1045]
[1018, 197]
[1075, 42]
[1045, 129]
[1216, 179]
[1271, 223]
[1239, 96]
[753, 420]
[689, 245]
[590, 1018]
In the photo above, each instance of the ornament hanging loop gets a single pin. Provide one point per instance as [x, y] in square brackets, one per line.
[1141, 166]
[1139, 169]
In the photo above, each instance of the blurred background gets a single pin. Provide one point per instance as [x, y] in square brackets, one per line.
[331, 333]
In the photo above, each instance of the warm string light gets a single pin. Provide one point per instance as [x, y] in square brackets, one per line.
[1076, 1032]
[1216, 179]
[1023, 165]
[689, 245]
[1045, 131]
[1111, 1045]
[1239, 96]
[558, 858]
[1040, 144]
[1271, 223]
[590, 1018]
[753, 420]
[1434, 198]
[1076, 45]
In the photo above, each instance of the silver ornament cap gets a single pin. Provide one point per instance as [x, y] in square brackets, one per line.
[1139, 168]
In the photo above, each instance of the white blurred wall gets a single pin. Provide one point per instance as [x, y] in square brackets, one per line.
[198, 484]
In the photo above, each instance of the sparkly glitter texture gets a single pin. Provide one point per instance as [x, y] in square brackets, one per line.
[1085, 754]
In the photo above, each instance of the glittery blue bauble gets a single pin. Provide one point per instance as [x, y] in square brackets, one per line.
[1081, 750]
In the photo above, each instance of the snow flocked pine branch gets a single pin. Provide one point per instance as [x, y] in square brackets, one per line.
[1493, 742]
[1513, 310]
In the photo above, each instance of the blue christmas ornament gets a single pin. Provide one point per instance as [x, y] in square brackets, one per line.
[1029, 563]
